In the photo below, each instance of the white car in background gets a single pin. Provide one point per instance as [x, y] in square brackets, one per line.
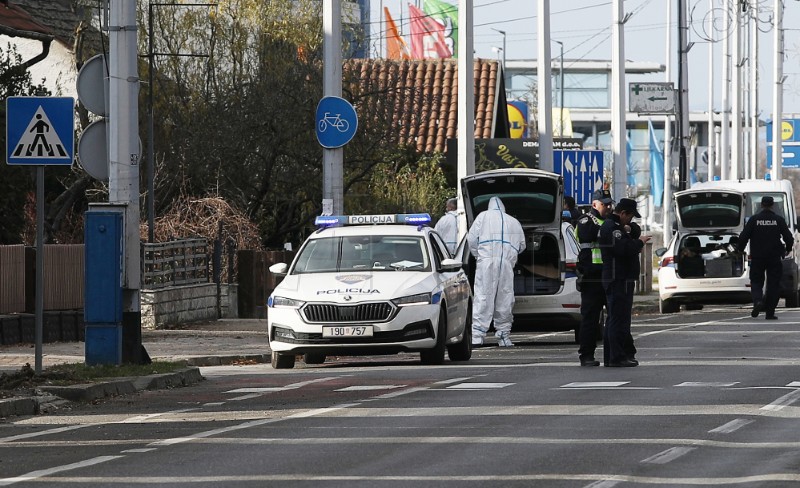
[371, 284]
[546, 297]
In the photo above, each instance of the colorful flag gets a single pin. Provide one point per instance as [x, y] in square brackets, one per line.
[631, 167]
[656, 167]
[447, 15]
[427, 36]
[396, 47]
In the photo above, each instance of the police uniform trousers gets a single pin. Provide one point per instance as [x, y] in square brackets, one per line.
[774, 269]
[593, 299]
[617, 339]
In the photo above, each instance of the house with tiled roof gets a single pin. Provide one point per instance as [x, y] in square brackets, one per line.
[54, 37]
[419, 98]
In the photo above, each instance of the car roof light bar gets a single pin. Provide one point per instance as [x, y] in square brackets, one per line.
[337, 220]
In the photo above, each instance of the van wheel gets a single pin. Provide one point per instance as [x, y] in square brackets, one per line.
[463, 350]
[668, 306]
[435, 356]
[313, 358]
[282, 361]
[792, 300]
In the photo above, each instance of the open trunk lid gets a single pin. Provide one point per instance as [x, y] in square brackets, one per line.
[710, 210]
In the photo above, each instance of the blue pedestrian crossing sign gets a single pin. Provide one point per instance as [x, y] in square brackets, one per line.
[582, 172]
[40, 130]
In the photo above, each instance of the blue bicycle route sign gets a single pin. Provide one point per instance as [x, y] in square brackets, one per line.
[336, 122]
[40, 130]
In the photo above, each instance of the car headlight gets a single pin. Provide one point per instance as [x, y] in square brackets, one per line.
[418, 299]
[284, 302]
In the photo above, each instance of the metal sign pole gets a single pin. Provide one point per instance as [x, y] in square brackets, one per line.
[39, 266]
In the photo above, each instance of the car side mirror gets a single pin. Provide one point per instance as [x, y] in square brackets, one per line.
[279, 269]
[449, 265]
[660, 251]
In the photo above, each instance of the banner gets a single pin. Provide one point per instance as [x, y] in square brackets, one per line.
[447, 15]
[396, 47]
[656, 167]
[427, 36]
[518, 119]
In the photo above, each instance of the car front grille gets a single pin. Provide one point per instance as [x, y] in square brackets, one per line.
[341, 314]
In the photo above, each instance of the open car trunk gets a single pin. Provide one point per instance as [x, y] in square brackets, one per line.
[535, 198]
[707, 255]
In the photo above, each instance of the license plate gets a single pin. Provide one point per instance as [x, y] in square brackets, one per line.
[348, 331]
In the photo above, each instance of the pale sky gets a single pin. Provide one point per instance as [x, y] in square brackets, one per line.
[584, 26]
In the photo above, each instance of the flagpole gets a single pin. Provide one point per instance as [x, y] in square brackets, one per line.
[381, 53]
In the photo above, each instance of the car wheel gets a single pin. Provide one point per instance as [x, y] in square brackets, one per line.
[313, 358]
[694, 306]
[792, 300]
[282, 361]
[463, 350]
[436, 354]
[668, 306]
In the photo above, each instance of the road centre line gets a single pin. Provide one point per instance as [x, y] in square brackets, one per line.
[670, 454]
[731, 426]
[558, 477]
[33, 475]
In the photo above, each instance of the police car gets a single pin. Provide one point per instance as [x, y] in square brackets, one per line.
[370, 284]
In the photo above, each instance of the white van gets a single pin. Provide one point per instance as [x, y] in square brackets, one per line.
[696, 268]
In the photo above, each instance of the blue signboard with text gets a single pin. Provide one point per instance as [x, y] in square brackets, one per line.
[790, 143]
[582, 172]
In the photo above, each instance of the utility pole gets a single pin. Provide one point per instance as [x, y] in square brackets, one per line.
[725, 134]
[123, 148]
[736, 94]
[666, 204]
[777, 94]
[710, 132]
[683, 96]
[466, 105]
[618, 130]
[754, 89]
[332, 159]
[544, 87]
[561, 89]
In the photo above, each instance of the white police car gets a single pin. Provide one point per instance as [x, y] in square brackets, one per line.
[370, 284]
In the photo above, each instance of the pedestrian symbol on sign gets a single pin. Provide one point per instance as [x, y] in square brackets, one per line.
[40, 141]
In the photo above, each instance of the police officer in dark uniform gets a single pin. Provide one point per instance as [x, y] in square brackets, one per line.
[764, 231]
[620, 251]
[590, 267]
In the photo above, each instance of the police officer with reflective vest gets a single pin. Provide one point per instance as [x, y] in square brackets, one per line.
[620, 249]
[764, 231]
[590, 269]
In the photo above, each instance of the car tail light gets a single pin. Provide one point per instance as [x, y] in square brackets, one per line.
[571, 269]
[668, 261]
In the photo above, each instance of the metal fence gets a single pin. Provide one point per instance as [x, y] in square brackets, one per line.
[175, 263]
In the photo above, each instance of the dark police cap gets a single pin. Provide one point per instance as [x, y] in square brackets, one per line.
[628, 205]
[603, 195]
[767, 201]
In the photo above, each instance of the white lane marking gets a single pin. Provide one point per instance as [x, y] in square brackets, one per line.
[143, 418]
[783, 401]
[57, 430]
[603, 484]
[134, 451]
[731, 426]
[479, 386]
[594, 384]
[560, 477]
[708, 384]
[395, 394]
[670, 454]
[293, 386]
[244, 397]
[794, 383]
[213, 404]
[257, 390]
[370, 387]
[47, 472]
[453, 380]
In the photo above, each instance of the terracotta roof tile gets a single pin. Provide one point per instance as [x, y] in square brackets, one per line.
[419, 99]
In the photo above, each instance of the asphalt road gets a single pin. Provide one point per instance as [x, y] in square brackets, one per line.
[714, 403]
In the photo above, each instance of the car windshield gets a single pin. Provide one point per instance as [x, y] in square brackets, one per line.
[360, 253]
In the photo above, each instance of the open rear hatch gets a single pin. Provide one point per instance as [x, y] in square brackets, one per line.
[710, 210]
[535, 198]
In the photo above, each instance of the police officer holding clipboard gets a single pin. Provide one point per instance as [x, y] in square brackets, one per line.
[764, 231]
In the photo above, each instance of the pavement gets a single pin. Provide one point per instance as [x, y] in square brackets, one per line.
[221, 342]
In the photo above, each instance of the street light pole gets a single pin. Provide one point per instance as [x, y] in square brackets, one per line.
[561, 89]
[504, 51]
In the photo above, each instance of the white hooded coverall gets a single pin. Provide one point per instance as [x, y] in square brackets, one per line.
[447, 228]
[495, 239]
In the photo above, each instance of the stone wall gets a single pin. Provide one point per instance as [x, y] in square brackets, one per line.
[174, 305]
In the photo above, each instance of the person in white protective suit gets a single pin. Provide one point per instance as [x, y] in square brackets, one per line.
[495, 239]
[447, 226]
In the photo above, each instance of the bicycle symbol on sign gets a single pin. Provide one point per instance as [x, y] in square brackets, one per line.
[334, 121]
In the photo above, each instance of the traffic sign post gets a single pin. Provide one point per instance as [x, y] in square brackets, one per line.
[651, 98]
[582, 172]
